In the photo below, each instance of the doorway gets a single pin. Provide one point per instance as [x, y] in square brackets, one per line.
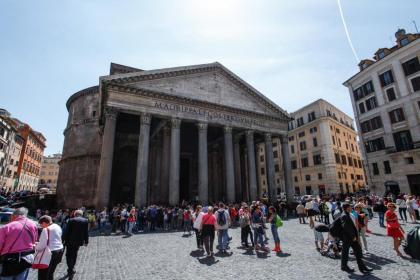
[414, 183]
[184, 180]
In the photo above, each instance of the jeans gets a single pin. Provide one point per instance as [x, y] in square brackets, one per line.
[130, 227]
[22, 276]
[403, 213]
[223, 239]
[381, 219]
[48, 273]
[245, 231]
[275, 233]
[362, 233]
[258, 237]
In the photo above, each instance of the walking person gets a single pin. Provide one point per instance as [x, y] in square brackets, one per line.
[393, 227]
[300, 210]
[222, 223]
[350, 236]
[50, 237]
[245, 224]
[75, 236]
[258, 227]
[132, 219]
[17, 240]
[208, 228]
[275, 222]
[187, 220]
[361, 225]
[197, 218]
[380, 208]
[402, 207]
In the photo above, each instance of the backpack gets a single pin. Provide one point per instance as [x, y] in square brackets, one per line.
[221, 218]
[336, 228]
[278, 222]
[412, 246]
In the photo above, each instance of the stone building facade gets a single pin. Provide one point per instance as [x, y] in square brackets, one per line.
[168, 135]
[49, 171]
[324, 151]
[385, 94]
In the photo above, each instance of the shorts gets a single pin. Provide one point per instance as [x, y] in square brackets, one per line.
[312, 213]
[318, 236]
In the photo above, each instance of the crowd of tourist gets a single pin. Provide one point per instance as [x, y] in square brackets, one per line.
[345, 220]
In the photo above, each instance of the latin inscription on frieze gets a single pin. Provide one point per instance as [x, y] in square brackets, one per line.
[209, 115]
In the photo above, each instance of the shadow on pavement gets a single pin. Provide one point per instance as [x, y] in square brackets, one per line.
[283, 255]
[197, 253]
[209, 261]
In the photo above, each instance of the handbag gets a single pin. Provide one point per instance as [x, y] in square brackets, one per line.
[43, 257]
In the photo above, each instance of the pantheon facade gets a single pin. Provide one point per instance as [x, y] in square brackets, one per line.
[168, 135]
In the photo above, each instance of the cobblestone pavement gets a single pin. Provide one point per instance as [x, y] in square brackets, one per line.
[172, 256]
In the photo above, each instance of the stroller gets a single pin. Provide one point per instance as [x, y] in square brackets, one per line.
[333, 245]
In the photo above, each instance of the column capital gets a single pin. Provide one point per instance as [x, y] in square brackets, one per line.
[227, 129]
[145, 119]
[166, 130]
[111, 113]
[250, 133]
[267, 136]
[175, 123]
[202, 126]
[284, 139]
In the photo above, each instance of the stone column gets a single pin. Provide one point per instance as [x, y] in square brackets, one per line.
[107, 154]
[230, 175]
[252, 171]
[287, 169]
[164, 181]
[142, 172]
[174, 162]
[203, 177]
[237, 165]
[271, 175]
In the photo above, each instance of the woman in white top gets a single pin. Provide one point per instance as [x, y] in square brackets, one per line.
[52, 232]
[402, 207]
[410, 208]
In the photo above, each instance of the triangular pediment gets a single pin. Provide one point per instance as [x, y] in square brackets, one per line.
[211, 83]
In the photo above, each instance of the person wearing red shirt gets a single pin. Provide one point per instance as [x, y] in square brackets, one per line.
[393, 227]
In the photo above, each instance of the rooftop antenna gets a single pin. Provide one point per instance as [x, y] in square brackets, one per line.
[415, 26]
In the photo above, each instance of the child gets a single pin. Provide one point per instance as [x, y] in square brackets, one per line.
[319, 237]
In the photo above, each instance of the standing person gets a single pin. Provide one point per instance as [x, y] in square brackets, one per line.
[300, 210]
[132, 219]
[361, 225]
[208, 228]
[258, 227]
[222, 222]
[50, 237]
[393, 227]
[187, 220]
[380, 208]
[75, 236]
[350, 239]
[273, 220]
[17, 240]
[103, 218]
[245, 223]
[197, 217]
[310, 212]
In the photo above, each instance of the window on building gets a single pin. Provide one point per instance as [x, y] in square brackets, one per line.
[300, 121]
[372, 124]
[350, 161]
[337, 158]
[403, 140]
[93, 113]
[262, 158]
[352, 147]
[301, 134]
[276, 168]
[397, 115]
[307, 177]
[292, 149]
[302, 145]
[308, 190]
[339, 142]
[386, 78]
[313, 130]
[375, 145]
[321, 189]
[364, 90]
[291, 138]
[339, 175]
[381, 54]
[262, 171]
[343, 160]
[315, 142]
[375, 168]
[359, 163]
[297, 190]
[293, 164]
[404, 42]
[304, 162]
[390, 93]
[337, 131]
[371, 103]
[352, 176]
[409, 160]
[311, 116]
[319, 176]
[317, 159]
[412, 66]
[333, 138]
[276, 154]
[296, 178]
[416, 83]
[387, 167]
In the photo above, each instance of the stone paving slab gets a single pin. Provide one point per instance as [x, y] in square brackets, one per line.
[174, 256]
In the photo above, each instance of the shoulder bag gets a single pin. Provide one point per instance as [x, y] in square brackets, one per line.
[43, 257]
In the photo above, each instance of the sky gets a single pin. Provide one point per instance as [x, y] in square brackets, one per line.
[294, 52]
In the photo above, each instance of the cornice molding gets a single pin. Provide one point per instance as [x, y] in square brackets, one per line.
[83, 92]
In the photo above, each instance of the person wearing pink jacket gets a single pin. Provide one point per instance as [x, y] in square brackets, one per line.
[17, 241]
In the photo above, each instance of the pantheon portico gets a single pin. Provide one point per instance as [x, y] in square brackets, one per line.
[168, 135]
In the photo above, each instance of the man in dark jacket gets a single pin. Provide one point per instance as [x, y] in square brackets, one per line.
[76, 235]
[350, 236]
